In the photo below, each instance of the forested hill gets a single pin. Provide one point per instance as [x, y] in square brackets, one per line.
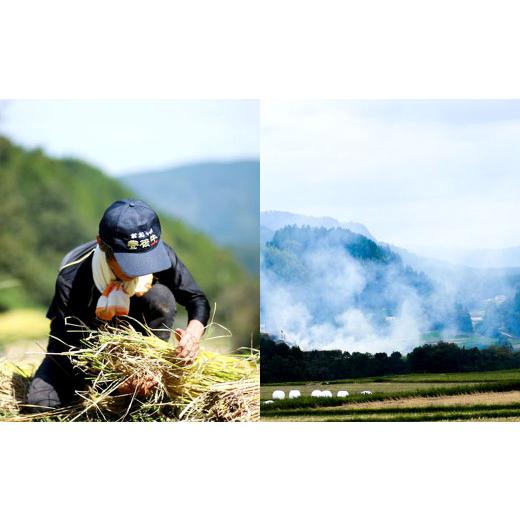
[294, 254]
[51, 205]
[348, 284]
[300, 239]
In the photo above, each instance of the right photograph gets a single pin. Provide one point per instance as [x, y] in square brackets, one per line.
[390, 260]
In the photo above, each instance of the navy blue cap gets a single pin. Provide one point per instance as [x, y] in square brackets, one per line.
[133, 231]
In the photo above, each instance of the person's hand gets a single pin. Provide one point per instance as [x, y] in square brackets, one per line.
[140, 386]
[188, 346]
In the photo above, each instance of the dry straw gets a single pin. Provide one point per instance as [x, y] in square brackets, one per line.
[214, 387]
[14, 382]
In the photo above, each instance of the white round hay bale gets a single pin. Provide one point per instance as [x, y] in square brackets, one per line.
[366, 392]
[278, 394]
[293, 394]
[269, 402]
[342, 393]
[326, 393]
[316, 393]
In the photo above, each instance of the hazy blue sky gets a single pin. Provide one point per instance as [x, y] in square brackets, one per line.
[424, 175]
[126, 136]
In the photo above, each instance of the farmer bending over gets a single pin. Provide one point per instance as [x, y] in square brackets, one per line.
[127, 271]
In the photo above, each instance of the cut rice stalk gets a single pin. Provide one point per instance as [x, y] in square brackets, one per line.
[217, 386]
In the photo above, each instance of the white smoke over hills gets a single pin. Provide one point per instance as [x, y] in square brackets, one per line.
[288, 313]
[323, 297]
[324, 288]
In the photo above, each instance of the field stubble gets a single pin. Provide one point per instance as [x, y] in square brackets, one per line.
[413, 397]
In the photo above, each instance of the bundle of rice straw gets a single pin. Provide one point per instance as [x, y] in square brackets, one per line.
[111, 357]
[225, 402]
[14, 383]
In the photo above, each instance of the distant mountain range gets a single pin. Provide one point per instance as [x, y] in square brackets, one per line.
[443, 268]
[472, 285]
[271, 221]
[505, 258]
[483, 258]
[219, 198]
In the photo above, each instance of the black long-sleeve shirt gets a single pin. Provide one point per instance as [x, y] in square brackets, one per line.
[76, 295]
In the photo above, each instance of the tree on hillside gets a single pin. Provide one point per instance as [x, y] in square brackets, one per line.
[283, 363]
[462, 320]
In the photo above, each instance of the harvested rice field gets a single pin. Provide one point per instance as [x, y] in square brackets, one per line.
[482, 396]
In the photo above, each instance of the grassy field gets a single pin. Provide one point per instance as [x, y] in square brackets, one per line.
[23, 336]
[410, 397]
[23, 327]
[22, 324]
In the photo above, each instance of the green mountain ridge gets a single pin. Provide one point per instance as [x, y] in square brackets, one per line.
[219, 198]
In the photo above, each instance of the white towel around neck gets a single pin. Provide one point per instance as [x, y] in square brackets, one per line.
[115, 294]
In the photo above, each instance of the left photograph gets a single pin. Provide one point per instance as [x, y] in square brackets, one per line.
[129, 272]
